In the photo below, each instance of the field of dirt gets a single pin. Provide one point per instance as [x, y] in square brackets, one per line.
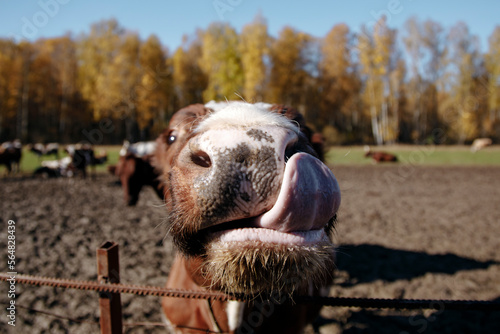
[403, 232]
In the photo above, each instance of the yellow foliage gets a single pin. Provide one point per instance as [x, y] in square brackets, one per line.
[221, 62]
[254, 46]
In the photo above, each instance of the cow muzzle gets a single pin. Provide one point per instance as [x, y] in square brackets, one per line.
[263, 178]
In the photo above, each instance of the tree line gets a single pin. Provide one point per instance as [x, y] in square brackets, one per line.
[420, 84]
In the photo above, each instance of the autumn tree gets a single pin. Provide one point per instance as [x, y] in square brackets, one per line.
[288, 75]
[10, 88]
[117, 95]
[463, 114]
[44, 94]
[189, 81]
[338, 83]
[65, 67]
[52, 88]
[154, 90]
[398, 99]
[96, 53]
[424, 43]
[413, 42]
[254, 48]
[434, 42]
[493, 70]
[375, 52]
[221, 62]
[26, 58]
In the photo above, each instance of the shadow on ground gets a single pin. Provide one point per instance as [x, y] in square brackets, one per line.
[442, 321]
[366, 263]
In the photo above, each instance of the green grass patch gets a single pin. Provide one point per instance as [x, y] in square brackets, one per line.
[417, 155]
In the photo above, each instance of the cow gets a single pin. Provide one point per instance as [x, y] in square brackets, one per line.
[47, 149]
[135, 171]
[252, 211]
[10, 155]
[479, 144]
[55, 168]
[380, 156]
[83, 155]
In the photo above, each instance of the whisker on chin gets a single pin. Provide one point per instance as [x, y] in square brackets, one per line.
[282, 269]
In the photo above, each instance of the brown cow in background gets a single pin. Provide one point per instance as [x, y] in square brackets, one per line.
[135, 170]
[380, 156]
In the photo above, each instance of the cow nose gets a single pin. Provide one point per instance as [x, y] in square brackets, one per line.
[239, 173]
[218, 148]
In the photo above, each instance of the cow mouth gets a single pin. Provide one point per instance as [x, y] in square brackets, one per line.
[303, 213]
[243, 231]
[256, 262]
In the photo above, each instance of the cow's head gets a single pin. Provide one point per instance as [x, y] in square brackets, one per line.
[249, 202]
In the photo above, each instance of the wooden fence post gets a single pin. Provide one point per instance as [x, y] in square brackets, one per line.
[108, 271]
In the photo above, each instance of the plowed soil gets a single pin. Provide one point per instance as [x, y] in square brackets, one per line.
[403, 232]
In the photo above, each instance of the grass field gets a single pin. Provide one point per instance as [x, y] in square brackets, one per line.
[418, 155]
[338, 155]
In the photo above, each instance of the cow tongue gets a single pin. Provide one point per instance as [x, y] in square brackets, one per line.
[308, 199]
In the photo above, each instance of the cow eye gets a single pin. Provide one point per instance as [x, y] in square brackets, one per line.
[171, 138]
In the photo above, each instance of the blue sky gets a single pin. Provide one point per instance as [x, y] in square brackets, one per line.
[171, 19]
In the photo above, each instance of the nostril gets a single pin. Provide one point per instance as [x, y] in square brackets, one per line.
[201, 159]
[290, 150]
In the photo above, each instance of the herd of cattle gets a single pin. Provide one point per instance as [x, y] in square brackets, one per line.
[134, 167]
[78, 158]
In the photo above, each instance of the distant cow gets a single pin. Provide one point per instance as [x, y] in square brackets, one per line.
[55, 168]
[47, 149]
[10, 155]
[480, 143]
[380, 156]
[100, 159]
[83, 155]
[135, 170]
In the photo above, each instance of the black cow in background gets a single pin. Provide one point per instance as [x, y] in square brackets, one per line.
[10, 155]
[83, 155]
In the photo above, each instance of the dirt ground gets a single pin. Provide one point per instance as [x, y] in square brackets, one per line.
[403, 232]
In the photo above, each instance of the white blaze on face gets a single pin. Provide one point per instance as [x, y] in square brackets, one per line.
[241, 114]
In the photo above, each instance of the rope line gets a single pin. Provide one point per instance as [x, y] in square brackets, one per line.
[457, 305]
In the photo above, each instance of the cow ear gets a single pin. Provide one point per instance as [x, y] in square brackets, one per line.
[289, 112]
